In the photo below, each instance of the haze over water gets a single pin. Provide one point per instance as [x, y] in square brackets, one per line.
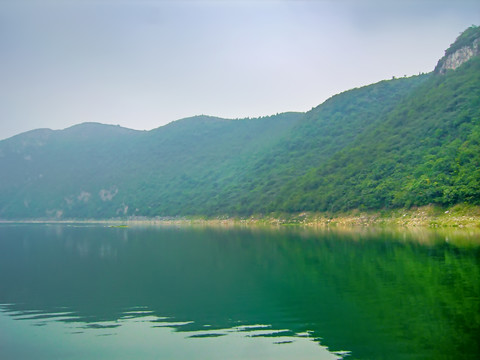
[240, 293]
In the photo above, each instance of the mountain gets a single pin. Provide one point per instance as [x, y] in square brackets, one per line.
[397, 143]
[426, 150]
[95, 170]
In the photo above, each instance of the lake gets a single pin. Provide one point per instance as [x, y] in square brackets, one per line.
[185, 292]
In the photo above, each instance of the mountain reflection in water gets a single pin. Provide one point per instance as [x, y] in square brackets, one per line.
[278, 292]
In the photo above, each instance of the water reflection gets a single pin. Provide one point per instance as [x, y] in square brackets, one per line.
[370, 294]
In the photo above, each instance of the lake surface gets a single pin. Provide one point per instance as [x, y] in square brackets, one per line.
[94, 292]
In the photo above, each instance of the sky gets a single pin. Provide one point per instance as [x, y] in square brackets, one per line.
[143, 63]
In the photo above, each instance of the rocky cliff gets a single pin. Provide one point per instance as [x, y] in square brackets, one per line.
[463, 49]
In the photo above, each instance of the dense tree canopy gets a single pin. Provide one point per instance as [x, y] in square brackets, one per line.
[398, 143]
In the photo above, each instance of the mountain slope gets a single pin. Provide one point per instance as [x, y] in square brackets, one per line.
[322, 132]
[425, 151]
[94, 170]
[397, 143]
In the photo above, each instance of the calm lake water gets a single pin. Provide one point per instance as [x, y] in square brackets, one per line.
[93, 292]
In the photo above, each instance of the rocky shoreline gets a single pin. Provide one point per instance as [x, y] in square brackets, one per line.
[459, 216]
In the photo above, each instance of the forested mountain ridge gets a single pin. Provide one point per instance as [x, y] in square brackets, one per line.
[427, 150]
[95, 170]
[319, 135]
[396, 143]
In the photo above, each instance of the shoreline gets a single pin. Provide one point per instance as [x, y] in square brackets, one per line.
[459, 216]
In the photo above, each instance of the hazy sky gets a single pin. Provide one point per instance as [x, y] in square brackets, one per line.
[142, 64]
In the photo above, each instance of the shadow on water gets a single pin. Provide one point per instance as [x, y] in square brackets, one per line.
[377, 294]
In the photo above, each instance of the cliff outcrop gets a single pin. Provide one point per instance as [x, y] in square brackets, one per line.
[463, 49]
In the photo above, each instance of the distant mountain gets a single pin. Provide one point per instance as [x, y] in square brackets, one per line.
[397, 143]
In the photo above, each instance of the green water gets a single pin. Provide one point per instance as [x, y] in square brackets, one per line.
[93, 292]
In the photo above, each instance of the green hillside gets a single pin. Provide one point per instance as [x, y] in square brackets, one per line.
[397, 143]
[426, 150]
[95, 170]
[323, 132]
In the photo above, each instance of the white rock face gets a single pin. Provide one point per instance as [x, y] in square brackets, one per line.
[123, 209]
[108, 195]
[54, 213]
[84, 196]
[462, 55]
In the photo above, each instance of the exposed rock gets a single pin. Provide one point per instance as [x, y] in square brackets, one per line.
[69, 200]
[108, 195]
[465, 47]
[84, 196]
[459, 57]
[54, 213]
[122, 210]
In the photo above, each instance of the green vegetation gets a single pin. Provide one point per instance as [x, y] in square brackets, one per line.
[427, 150]
[272, 183]
[466, 38]
[392, 145]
